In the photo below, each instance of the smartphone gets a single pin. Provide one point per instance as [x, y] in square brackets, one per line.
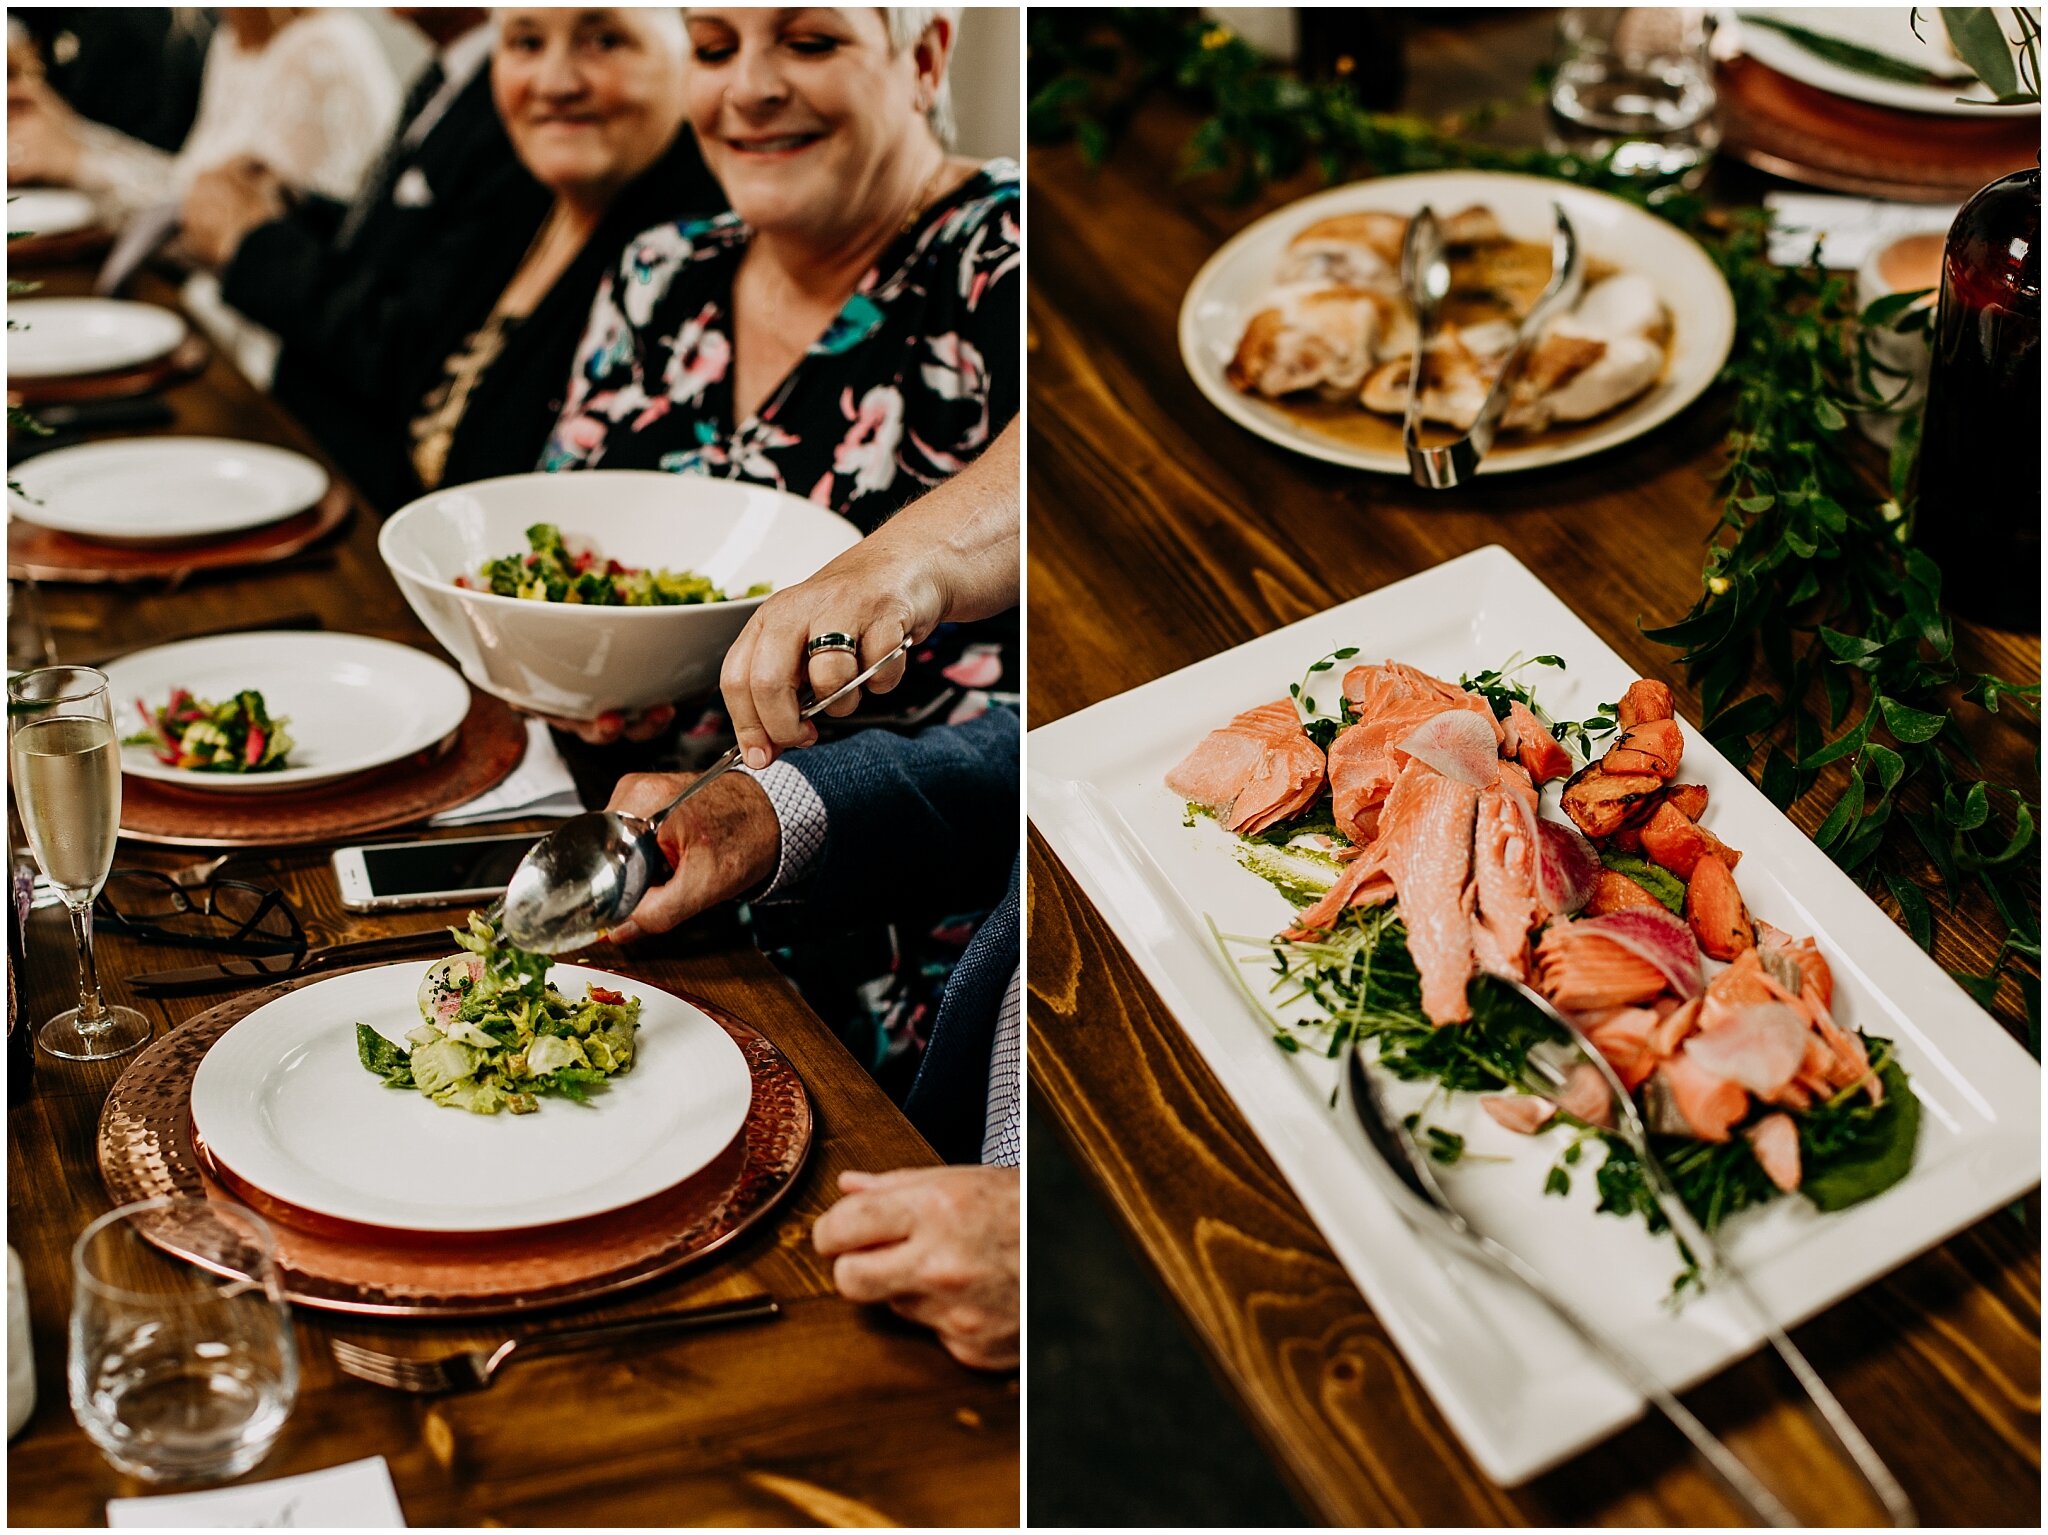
[392, 875]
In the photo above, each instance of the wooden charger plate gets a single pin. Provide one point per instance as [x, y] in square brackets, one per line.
[147, 1149]
[476, 758]
[1790, 129]
[186, 360]
[48, 555]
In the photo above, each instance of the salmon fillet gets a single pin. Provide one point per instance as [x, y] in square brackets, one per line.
[1504, 869]
[1255, 771]
[1429, 859]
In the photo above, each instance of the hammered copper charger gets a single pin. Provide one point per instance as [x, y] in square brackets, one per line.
[186, 360]
[147, 1148]
[1814, 137]
[484, 749]
[49, 555]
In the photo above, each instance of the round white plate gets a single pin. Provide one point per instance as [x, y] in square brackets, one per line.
[352, 703]
[161, 490]
[49, 211]
[285, 1104]
[1232, 285]
[1887, 31]
[59, 337]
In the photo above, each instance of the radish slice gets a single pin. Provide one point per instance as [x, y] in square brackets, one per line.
[1756, 1044]
[1458, 744]
[1566, 867]
[1653, 934]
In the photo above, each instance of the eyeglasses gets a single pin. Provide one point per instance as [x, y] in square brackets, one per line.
[222, 914]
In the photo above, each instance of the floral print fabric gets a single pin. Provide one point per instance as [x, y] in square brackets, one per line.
[917, 373]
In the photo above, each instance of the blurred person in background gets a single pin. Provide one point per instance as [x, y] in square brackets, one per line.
[133, 68]
[346, 286]
[308, 90]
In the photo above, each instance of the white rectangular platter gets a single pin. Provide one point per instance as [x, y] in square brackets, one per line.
[1519, 1390]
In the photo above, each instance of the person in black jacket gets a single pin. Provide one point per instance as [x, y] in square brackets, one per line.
[131, 67]
[429, 330]
[343, 285]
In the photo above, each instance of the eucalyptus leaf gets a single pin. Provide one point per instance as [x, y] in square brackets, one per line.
[1978, 37]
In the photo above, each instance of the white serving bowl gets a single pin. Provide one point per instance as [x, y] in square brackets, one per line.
[579, 661]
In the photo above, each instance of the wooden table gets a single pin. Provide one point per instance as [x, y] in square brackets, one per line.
[834, 1414]
[1160, 534]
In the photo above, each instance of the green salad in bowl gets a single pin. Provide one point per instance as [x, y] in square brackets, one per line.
[496, 1037]
[553, 571]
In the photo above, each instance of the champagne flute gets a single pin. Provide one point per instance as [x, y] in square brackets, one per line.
[66, 763]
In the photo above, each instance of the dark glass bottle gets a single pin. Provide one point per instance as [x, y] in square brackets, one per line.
[1979, 512]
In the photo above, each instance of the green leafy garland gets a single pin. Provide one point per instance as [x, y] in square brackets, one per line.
[1809, 569]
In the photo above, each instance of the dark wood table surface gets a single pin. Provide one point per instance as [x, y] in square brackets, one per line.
[833, 1414]
[1161, 533]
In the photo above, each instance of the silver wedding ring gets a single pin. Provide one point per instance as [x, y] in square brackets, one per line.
[832, 640]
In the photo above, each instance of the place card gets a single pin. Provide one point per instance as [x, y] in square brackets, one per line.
[356, 1496]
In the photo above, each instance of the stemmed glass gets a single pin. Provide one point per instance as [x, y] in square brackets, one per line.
[66, 764]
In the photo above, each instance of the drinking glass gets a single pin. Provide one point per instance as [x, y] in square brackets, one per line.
[66, 763]
[181, 1365]
[1635, 84]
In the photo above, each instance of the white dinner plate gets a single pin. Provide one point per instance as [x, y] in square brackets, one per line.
[351, 703]
[1520, 1391]
[285, 1104]
[49, 211]
[1885, 30]
[59, 337]
[163, 490]
[1232, 285]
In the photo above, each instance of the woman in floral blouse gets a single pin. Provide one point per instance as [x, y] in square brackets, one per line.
[849, 333]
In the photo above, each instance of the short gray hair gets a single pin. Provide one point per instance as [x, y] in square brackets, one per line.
[906, 25]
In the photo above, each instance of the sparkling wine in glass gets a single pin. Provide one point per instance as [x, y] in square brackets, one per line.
[66, 764]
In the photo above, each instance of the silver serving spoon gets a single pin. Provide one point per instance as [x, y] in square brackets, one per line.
[1426, 275]
[587, 876]
[1720, 1270]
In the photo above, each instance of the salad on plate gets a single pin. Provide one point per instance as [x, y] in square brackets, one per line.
[238, 736]
[496, 1037]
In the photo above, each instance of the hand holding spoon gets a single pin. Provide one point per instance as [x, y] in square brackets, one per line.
[589, 874]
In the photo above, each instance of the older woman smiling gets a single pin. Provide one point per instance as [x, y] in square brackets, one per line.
[848, 333]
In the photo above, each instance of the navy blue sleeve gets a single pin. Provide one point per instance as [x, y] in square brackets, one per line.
[915, 823]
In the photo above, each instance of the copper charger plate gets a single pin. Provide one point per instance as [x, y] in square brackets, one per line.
[476, 758]
[186, 360]
[56, 249]
[1791, 129]
[48, 555]
[147, 1149]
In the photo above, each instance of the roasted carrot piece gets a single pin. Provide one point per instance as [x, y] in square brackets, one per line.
[1673, 842]
[1690, 798]
[1651, 746]
[1616, 892]
[1644, 700]
[1600, 803]
[1714, 907]
[1628, 840]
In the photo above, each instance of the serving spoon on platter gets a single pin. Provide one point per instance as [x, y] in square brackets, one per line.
[1427, 1203]
[586, 877]
[1426, 279]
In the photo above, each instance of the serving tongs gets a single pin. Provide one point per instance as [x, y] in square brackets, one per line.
[1426, 279]
[1426, 1204]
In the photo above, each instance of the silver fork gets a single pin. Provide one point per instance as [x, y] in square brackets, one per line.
[473, 1370]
